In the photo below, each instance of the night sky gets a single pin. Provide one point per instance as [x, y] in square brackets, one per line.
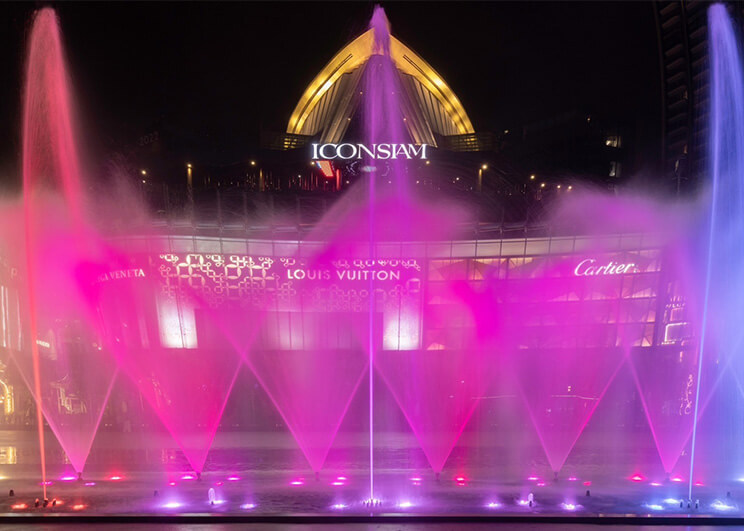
[220, 72]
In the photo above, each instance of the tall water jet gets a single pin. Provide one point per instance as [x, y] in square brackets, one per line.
[70, 378]
[722, 336]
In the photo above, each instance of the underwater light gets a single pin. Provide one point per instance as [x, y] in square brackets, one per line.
[677, 479]
[233, 478]
[297, 482]
[338, 483]
[654, 506]
[493, 505]
[570, 506]
[19, 506]
[405, 504]
[637, 478]
[719, 505]
[248, 506]
[672, 501]
[90, 483]
[172, 505]
[341, 478]
[523, 503]
[655, 484]
[338, 506]
[572, 478]
[115, 478]
[78, 507]
[188, 477]
[68, 478]
[532, 478]
[171, 483]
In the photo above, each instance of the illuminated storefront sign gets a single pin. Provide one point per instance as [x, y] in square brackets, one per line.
[357, 274]
[589, 268]
[375, 151]
[120, 274]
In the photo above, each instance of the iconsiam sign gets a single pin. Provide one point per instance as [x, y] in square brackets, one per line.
[381, 151]
[387, 359]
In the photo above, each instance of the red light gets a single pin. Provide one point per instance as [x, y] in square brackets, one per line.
[637, 478]
[587, 483]
[326, 167]
[19, 506]
[78, 507]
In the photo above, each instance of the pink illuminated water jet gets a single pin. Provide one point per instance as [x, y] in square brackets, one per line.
[68, 376]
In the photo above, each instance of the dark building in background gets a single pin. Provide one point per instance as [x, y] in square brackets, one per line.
[683, 54]
[577, 146]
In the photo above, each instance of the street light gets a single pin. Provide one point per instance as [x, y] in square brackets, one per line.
[532, 177]
[190, 183]
[479, 187]
[143, 172]
[253, 163]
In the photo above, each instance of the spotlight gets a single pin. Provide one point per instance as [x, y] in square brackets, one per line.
[67, 478]
[297, 482]
[570, 506]
[248, 506]
[233, 478]
[637, 478]
[115, 478]
[493, 505]
[405, 504]
[19, 506]
[171, 505]
[339, 506]
[654, 506]
[78, 507]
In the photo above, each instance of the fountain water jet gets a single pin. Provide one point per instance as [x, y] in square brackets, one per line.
[57, 245]
[721, 330]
